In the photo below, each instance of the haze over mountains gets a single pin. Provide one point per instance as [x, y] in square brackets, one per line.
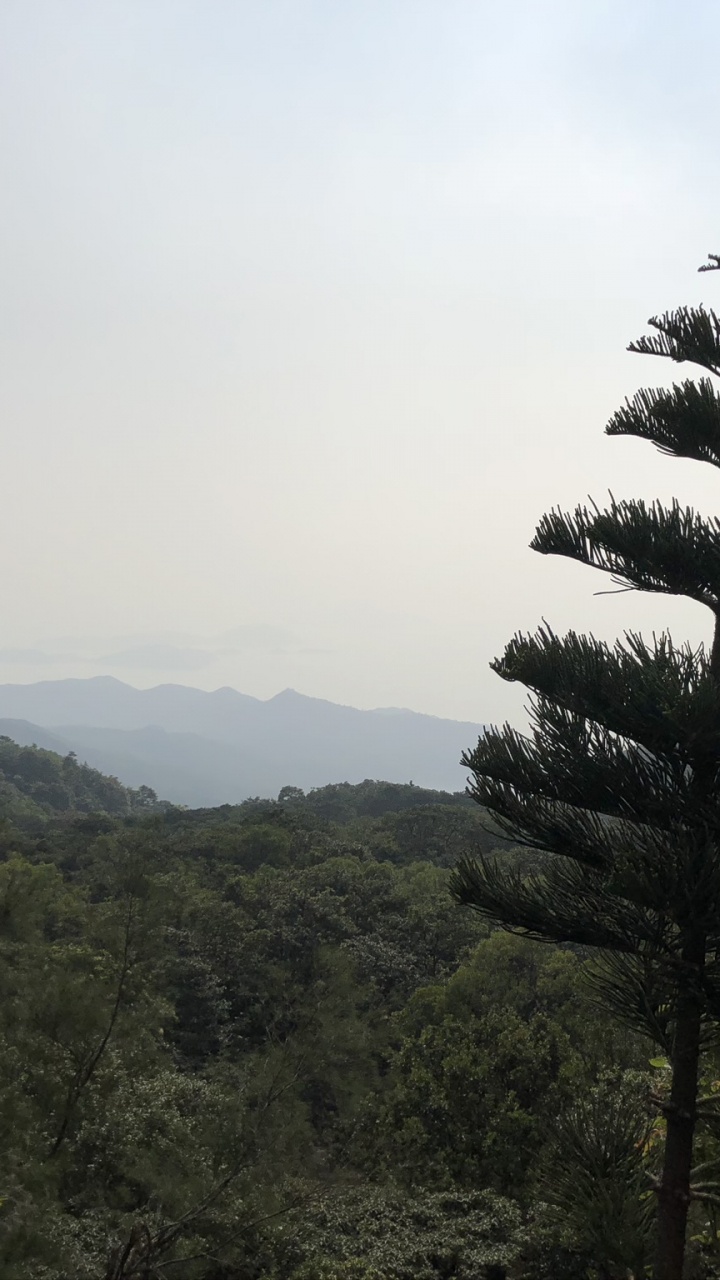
[199, 748]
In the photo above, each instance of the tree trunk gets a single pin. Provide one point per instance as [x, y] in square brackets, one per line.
[674, 1190]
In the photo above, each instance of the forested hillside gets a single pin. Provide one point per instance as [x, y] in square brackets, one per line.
[262, 1042]
[35, 783]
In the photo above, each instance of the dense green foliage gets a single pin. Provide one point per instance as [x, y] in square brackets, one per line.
[262, 1043]
[35, 783]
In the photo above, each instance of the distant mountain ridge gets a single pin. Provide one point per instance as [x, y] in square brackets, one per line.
[206, 748]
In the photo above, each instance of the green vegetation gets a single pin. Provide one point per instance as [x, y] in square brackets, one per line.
[261, 1042]
[35, 783]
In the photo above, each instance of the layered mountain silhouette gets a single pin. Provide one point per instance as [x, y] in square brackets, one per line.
[200, 748]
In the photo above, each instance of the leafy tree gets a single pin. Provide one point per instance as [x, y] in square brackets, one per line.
[370, 799]
[465, 1235]
[467, 1102]
[436, 833]
[482, 1062]
[619, 779]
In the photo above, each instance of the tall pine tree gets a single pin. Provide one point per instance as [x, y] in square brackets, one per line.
[618, 780]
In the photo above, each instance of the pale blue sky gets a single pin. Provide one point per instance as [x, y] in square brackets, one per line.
[310, 310]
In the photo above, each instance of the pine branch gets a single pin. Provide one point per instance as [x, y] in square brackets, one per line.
[541, 824]
[705, 1197]
[705, 1167]
[661, 697]
[568, 904]
[651, 548]
[690, 333]
[631, 986]
[683, 422]
[578, 762]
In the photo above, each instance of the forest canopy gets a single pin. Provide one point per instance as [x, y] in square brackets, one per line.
[262, 1042]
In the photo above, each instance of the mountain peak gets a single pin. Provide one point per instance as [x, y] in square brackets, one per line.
[193, 746]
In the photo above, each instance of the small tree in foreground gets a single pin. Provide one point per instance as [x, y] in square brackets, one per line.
[619, 778]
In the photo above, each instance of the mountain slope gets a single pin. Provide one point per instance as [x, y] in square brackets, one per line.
[201, 748]
[38, 777]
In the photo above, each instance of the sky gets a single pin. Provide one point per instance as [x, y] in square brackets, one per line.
[309, 310]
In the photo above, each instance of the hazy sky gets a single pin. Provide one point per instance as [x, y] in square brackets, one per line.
[310, 310]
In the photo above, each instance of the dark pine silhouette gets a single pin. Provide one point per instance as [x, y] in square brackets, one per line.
[618, 780]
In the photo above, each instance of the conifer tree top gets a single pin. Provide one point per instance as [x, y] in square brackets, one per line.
[617, 785]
